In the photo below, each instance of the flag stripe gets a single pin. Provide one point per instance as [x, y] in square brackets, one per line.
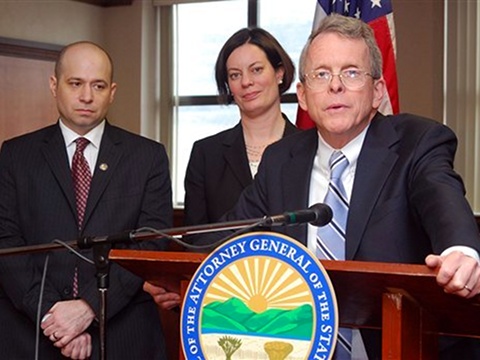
[384, 38]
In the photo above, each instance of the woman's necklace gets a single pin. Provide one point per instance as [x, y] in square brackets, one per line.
[255, 152]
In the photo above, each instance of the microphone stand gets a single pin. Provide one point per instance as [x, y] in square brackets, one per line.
[102, 264]
[129, 237]
[101, 246]
[317, 215]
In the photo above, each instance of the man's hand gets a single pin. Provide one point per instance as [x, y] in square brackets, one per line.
[457, 273]
[66, 320]
[79, 348]
[165, 293]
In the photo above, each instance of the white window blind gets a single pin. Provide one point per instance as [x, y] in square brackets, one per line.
[462, 90]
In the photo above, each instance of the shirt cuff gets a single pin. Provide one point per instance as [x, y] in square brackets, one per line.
[466, 250]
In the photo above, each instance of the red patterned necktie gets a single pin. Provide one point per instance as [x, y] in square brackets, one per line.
[81, 177]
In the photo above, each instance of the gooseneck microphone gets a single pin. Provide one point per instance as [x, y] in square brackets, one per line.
[317, 215]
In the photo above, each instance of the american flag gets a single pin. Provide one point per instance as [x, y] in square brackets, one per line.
[379, 15]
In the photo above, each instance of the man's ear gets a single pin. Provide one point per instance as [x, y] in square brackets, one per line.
[379, 91]
[301, 96]
[53, 85]
[113, 89]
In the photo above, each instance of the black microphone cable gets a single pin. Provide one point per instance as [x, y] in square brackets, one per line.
[39, 307]
[317, 215]
[42, 288]
[148, 230]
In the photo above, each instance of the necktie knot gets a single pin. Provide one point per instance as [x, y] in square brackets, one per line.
[81, 144]
[338, 163]
[81, 176]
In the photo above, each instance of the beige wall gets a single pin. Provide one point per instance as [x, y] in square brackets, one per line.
[130, 35]
[127, 32]
[419, 32]
[118, 29]
[52, 21]
[122, 31]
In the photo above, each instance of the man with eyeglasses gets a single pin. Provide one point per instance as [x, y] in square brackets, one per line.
[404, 201]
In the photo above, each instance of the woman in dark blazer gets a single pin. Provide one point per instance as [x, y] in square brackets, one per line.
[252, 70]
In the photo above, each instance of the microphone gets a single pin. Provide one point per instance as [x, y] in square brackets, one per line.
[317, 215]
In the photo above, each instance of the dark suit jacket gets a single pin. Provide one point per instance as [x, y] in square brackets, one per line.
[406, 203]
[217, 173]
[131, 189]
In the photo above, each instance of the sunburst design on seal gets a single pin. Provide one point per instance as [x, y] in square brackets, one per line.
[262, 283]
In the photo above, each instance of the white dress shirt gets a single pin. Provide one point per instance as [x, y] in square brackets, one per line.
[92, 149]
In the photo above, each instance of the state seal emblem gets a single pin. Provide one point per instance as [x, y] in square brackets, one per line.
[261, 295]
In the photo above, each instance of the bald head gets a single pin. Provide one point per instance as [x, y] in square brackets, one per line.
[83, 86]
[78, 48]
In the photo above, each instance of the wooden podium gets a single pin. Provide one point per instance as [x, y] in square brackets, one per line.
[404, 301]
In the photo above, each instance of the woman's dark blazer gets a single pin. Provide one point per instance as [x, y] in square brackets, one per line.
[217, 173]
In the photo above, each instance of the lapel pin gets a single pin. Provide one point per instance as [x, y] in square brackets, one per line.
[103, 167]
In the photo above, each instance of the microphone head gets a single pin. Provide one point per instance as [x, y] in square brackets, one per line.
[323, 214]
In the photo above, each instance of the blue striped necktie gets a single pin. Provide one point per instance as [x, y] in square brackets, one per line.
[331, 237]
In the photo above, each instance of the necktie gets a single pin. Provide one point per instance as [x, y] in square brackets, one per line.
[81, 177]
[331, 237]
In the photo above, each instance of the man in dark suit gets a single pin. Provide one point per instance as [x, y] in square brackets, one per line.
[129, 188]
[406, 203]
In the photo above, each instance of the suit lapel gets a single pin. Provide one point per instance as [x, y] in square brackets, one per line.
[108, 159]
[374, 165]
[55, 154]
[236, 157]
[296, 179]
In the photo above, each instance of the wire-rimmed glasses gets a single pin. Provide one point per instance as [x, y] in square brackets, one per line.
[353, 79]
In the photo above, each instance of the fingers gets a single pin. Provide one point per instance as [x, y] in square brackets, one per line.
[167, 301]
[54, 332]
[164, 299]
[45, 318]
[163, 284]
[466, 291]
[458, 274]
[59, 340]
[79, 348]
[168, 305]
[153, 289]
[471, 287]
[66, 320]
[48, 328]
[54, 337]
[433, 261]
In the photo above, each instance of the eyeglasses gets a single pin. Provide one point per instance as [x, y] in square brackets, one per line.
[352, 79]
